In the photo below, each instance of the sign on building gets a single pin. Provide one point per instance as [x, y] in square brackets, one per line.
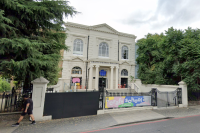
[127, 101]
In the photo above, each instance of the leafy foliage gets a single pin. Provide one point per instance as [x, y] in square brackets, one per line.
[31, 37]
[4, 85]
[171, 57]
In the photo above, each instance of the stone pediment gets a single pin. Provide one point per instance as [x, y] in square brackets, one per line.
[125, 63]
[101, 28]
[104, 27]
[77, 59]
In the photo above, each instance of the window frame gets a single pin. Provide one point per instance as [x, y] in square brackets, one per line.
[75, 43]
[123, 51]
[124, 75]
[76, 69]
[106, 53]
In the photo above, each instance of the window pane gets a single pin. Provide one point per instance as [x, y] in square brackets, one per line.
[76, 70]
[78, 47]
[124, 52]
[124, 72]
[103, 49]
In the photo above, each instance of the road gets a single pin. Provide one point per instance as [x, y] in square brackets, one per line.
[189, 124]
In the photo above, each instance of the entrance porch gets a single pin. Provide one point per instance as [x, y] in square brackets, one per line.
[109, 81]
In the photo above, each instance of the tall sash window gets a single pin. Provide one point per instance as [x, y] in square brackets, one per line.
[78, 47]
[103, 50]
[124, 52]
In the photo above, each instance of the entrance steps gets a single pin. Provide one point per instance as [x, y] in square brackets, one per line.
[105, 111]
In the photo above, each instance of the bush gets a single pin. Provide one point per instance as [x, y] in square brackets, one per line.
[4, 85]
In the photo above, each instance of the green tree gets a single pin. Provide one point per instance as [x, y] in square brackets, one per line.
[32, 36]
[171, 57]
[4, 85]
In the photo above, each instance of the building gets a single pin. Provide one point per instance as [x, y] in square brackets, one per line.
[94, 49]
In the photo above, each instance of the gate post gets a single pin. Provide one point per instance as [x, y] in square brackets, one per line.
[153, 97]
[38, 97]
[184, 94]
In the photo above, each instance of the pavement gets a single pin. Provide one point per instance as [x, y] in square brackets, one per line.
[86, 123]
[175, 125]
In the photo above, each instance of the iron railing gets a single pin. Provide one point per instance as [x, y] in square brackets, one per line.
[12, 101]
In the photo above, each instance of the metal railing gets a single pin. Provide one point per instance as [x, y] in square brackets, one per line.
[126, 94]
[12, 101]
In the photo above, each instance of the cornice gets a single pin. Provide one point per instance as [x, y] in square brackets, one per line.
[103, 60]
[115, 32]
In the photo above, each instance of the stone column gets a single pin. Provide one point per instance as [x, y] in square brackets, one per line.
[97, 78]
[38, 97]
[116, 84]
[111, 78]
[184, 93]
[90, 77]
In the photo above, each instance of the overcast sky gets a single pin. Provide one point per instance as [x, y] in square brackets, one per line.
[138, 17]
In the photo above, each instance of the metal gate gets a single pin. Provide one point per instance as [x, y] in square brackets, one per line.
[101, 97]
[166, 99]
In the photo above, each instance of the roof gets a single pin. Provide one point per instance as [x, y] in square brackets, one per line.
[108, 29]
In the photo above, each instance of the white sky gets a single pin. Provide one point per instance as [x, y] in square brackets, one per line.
[138, 17]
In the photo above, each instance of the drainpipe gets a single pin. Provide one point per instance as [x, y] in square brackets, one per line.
[86, 83]
[118, 50]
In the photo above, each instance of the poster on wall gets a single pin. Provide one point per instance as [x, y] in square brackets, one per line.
[127, 101]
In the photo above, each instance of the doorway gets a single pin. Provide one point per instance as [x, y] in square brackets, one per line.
[102, 82]
[124, 82]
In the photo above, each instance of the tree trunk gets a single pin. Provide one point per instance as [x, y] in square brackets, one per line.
[27, 83]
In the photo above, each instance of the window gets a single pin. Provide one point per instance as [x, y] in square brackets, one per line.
[103, 50]
[124, 72]
[78, 47]
[124, 52]
[76, 70]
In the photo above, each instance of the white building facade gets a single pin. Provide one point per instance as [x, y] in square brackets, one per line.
[94, 49]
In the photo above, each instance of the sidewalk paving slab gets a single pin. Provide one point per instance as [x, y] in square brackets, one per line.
[134, 116]
[86, 123]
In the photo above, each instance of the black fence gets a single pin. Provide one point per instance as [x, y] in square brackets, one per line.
[71, 104]
[50, 90]
[194, 95]
[127, 94]
[12, 101]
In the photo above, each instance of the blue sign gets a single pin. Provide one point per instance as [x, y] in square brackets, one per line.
[102, 73]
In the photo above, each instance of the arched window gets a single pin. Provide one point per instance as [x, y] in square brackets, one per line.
[103, 49]
[124, 52]
[76, 70]
[124, 72]
[78, 47]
